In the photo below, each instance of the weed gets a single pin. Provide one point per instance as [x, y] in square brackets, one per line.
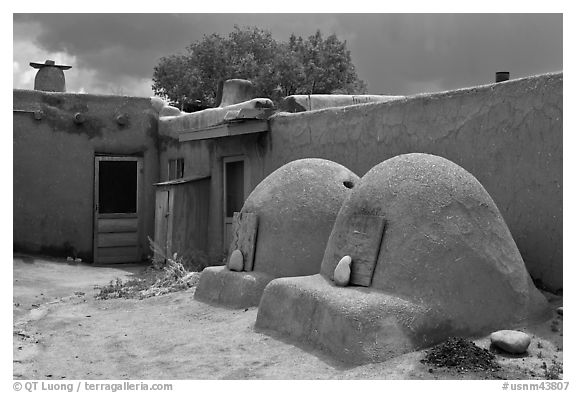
[121, 289]
[192, 260]
[167, 274]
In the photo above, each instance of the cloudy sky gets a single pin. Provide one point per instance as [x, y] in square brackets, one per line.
[393, 53]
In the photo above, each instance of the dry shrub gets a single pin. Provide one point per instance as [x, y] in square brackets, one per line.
[167, 274]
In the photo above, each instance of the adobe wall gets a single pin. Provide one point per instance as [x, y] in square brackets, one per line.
[508, 135]
[205, 158]
[196, 156]
[54, 165]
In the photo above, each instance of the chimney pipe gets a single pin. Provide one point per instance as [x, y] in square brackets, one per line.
[502, 76]
[50, 77]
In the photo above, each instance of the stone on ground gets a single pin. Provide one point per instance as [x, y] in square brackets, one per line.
[511, 341]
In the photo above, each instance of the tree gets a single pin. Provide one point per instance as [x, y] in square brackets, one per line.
[174, 79]
[327, 66]
[277, 69]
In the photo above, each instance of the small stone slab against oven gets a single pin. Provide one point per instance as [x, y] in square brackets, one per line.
[244, 233]
[361, 241]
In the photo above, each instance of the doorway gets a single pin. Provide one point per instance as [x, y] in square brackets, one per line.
[117, 183]
[236, 190]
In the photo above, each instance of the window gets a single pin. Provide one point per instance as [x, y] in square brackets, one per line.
[117, 189]
[175, 168]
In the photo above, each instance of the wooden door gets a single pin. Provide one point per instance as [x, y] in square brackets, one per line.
[162, 224]
[117, 184]
[236, 190]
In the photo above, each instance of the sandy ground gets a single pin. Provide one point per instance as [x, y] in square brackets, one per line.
[62, 332]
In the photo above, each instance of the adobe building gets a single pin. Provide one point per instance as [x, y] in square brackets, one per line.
[84, 169]
[508, 135]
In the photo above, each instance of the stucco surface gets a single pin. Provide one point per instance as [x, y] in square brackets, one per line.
[54, 166]
[174, 122]
[312, 102]
[296, 206]
[447, 266]
[445, 244]
[235, 91]
[222, 287]
[354, 324]
[50, 79]
[508, 135]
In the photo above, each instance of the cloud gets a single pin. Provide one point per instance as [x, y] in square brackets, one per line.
[85, 75]
[26, 51]
[393, 53]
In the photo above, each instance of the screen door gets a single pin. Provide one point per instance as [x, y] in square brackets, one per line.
[116, 196]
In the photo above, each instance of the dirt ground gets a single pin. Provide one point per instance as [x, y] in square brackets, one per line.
[62, 332]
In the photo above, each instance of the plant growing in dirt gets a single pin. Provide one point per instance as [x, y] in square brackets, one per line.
[123, 289]
[166, 274]
[191, 260]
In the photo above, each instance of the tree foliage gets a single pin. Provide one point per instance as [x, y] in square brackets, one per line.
[315, 65]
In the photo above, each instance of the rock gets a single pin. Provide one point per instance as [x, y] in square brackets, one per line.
[560, 310]
[511, 341]
[342, 272]
[236, 261]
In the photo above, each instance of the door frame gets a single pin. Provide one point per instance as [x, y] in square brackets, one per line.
[227, 160]
[95, 208]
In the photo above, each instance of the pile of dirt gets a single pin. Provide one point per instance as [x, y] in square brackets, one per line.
[461, 354]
